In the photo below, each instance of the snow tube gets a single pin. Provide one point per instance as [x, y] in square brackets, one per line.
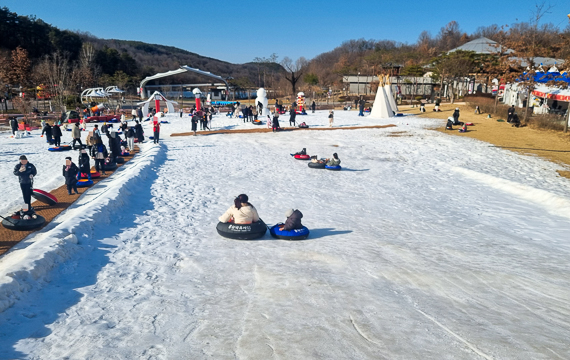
[44, 197]
[113, 120]
[164, 122]
[242, 231]
[399, 114]
[94, 174]
[303, 126]
[469, 124]
[15, 223]
[126, 153]
[317, 165]
[334, 168]
[151, 137]
[257, 122]
[297, 234]
[302, 157]
[84, 183]
[120, 160]
[60, 148]
[110, 166]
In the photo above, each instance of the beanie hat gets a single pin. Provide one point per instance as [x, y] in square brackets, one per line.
[289, 212]
[68, 158]
[23, 157]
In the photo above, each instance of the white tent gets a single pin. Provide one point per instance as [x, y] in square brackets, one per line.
[390, 95]
[381, 108]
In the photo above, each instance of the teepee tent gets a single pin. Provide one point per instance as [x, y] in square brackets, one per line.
[390, 95]
[381, 108]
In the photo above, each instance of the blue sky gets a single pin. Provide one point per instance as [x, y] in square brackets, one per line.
[238, 31]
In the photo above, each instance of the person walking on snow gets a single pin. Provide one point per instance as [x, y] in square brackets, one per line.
[331, 118]
[14, 125]
[48, 131]
[99, 153]
[25, 171]
[313, 106]
[76, 134]
[139, 133]
[361, 104]
[131, 139]
[56, 132]
[292, 114]
[156, 130]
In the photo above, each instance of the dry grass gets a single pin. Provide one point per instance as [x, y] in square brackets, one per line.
[549, 144]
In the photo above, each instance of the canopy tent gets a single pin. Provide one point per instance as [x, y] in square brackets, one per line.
[551, 92]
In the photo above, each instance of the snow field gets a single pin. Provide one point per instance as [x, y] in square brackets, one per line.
[424, 246]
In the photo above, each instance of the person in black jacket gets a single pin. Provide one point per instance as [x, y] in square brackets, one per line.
[292, 114]
[25, 171]
[14, 125]
[313, 106]
[139, 133]
[293, 220]
[195, 119]
[140, 114]
[48, 131]
[56, 132]
[84, 165]
[70, 173]
[99, 153]
[456, 117]
[114, 145]
[510, 113]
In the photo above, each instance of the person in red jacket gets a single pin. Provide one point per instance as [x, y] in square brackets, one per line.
[156, 130]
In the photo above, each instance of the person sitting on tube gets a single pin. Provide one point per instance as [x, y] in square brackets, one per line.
[293, 220]
[241, 212]
[334, 161]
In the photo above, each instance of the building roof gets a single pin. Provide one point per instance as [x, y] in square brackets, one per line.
[482, 46]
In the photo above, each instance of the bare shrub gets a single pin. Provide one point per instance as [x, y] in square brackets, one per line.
[547, 122]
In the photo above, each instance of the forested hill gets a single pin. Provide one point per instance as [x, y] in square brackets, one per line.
[107, 57]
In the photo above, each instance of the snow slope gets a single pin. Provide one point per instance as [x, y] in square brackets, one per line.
[425, 246]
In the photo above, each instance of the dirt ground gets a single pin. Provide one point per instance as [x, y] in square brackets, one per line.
[551, 145]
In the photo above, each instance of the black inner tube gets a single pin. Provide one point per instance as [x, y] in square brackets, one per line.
[23, 225]
[317, 165]
[242, 231]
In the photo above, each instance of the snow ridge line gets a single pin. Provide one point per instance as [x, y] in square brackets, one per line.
[25, 269]
[469, 345]
[553, 203]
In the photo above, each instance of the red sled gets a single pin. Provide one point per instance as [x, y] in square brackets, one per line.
[44, 197]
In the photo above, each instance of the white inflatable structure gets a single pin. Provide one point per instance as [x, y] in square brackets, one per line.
[154, 97]
[262, 98]
[381, 108]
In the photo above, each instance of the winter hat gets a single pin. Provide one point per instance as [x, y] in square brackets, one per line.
[289, 212]
[68, 158]
[456, 108]
[23, 157]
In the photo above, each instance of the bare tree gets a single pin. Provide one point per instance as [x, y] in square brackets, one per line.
[55, 72]
[295, 71]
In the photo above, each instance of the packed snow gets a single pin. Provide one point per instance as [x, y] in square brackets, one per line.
[425, 246]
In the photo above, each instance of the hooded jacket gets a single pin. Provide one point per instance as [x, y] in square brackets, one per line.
[294, 221]
[245, 215]
[71, 174]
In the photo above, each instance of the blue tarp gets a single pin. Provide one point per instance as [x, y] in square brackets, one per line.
[543, 78]
[223, 102]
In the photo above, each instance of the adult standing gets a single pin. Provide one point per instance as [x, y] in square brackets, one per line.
[510, 113]
[313, 106]
[14, 125]
[84, 164]
[456, 117]
[195, 120]
[25, 171]
[99, 153]
[76, 134]
[244, 114]
[293, 115]
[70, 172]
[361, 104]
[139, 112]
[56, 132]
[139, 133]
[134, 114]
[250, 113]
[131, 139]
[156, 130]
[48, 131]
[124, 127]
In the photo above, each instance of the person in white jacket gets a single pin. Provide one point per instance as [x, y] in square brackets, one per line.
[241, 212]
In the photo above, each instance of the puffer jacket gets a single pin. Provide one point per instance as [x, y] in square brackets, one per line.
[245, 215]
[75, 132]
[24, 176]
[294, 221]
[70, 174]
[333, 162]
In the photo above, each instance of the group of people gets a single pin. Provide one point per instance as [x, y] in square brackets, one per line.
[243, 212]
[202, 117]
